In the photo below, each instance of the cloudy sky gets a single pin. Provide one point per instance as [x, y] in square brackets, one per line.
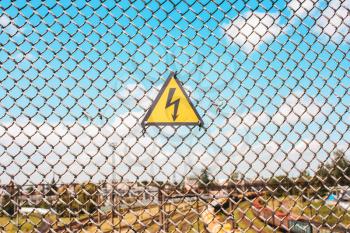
[270, 80]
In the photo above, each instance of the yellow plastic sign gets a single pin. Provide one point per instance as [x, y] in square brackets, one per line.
[172, 106]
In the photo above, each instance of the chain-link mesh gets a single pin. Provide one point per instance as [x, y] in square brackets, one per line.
[270, 79]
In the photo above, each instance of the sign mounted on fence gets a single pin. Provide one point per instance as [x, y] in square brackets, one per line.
[172, 106]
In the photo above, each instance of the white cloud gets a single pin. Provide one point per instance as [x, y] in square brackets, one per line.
[19, 56]
[269, 153]
[299, 108]
[58, 148]
[9, 26]
[251, 29]
[83, 151]
[296, 107]
[334, 20]
[301, 8]
[32, 151]
[4, 21]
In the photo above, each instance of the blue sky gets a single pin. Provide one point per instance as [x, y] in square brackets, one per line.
[76, 77]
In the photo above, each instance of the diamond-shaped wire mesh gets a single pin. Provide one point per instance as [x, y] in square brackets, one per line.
[270, 79]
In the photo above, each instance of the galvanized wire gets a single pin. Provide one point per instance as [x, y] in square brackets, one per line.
[269, 79]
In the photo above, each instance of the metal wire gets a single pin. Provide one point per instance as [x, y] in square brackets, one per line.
[270, 79]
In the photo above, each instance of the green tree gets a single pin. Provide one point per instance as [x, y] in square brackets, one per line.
[235, 176]
[64, 201]
[81, 198]
[88, 196]
[52, 188]
[7, 205]
[280, 186]
[30, 189]
[337, 172]
[284, 185]
[205, 180]
[341, 171]
[303, 185]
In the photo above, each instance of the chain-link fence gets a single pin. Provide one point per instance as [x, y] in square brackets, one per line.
[270, 80]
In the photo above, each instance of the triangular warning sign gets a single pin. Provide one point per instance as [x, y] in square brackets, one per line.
[172, 106]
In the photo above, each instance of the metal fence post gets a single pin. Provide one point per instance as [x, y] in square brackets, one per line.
[198, 213]
[161, 216]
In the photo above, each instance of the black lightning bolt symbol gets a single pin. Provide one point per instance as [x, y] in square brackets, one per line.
[175, 102]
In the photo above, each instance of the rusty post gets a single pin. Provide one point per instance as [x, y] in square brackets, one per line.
[160, 202]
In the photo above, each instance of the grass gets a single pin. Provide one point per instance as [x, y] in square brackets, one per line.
[183, 217]
[67, 220]
[26, 223]
[130, 218]
[133, 218]
[320, 212]
[316, 210]
[247, 221]
[198, 225]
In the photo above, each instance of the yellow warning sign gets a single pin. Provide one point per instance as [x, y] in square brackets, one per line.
[172, 106]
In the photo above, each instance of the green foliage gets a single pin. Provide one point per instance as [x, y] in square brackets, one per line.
[53, 188]
[30, 189]
[280, 185]
[205, 180]
[88, 196]
[236, 176]
[7, 206]
[328, 175]
[337, 172]
[79, 199]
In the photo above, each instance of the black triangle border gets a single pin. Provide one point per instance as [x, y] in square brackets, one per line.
[154, 103]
